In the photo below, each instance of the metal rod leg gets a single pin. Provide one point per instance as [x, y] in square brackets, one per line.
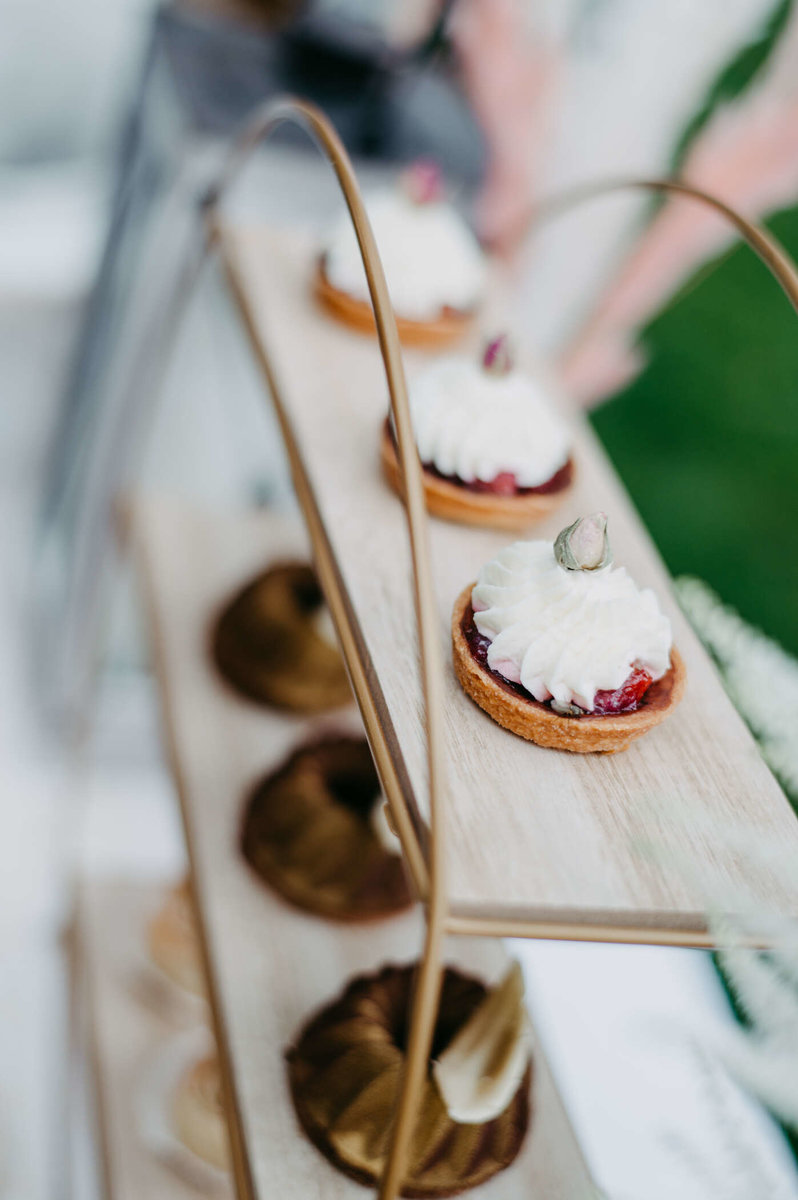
[422, 1024]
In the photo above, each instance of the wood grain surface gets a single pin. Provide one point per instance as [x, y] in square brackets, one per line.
[643, 843]
[271, 966]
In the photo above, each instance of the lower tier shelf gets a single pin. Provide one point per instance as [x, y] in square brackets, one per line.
[667, 853]
[269, 966]
[137, 1026]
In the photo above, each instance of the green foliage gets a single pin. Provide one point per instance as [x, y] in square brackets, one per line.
[706, 438]
[734, 78]
[790, 1133]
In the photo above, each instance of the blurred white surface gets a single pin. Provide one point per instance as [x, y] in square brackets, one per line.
[52, 222]
[31, 1031]
[65, 73]
[627, 1033]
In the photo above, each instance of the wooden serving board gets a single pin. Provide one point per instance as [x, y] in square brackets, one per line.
[636, 846]
[270, 966]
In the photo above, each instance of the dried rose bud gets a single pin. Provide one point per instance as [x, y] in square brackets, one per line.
[584, 546]
[422, 182]
[498, 357]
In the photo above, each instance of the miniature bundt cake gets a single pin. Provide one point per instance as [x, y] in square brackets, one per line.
[345, 1072]
[270, 645]
[310, 832]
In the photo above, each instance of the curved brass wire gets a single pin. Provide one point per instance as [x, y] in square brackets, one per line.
[312, 120]
[427, 988]
[763, 243]
[265, 120]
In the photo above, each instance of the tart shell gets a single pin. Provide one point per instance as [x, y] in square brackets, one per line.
[452, 502]
[447, 328]
[537, 723]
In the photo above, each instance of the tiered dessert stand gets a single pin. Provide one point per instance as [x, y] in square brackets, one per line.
[501, 838]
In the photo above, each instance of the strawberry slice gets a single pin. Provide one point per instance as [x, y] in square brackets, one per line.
[626, 698]
[503, 485]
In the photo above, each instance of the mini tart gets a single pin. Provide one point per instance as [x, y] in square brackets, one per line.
[457, 502]
[173, 944]
[198, 1115]
[307, 832]
[265, 644]
[345, 1072]
[536, 722]
[448, 327]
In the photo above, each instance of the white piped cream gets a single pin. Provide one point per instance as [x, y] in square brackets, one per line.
[564, 635]
[476, 424]
[431, 259]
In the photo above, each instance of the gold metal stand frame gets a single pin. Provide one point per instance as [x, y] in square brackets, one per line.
[423, 848]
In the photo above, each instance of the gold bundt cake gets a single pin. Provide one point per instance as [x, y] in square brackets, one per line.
[269, 645]
[345, 1072]
[309, 832]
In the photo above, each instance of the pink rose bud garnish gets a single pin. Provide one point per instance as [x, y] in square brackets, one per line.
[422, 182]
[498, 358]
[584, 546]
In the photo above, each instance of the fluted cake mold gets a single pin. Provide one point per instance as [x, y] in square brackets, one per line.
[309, 833]
[266, 644]
[345, 1071]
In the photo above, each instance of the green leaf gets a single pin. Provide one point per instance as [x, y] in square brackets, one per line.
[734, 79]
[706, 438]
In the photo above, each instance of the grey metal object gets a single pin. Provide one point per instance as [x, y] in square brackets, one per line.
[201, 76]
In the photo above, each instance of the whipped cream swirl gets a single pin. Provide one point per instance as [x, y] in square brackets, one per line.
[564, 635]
[431, 259]
[477, 424]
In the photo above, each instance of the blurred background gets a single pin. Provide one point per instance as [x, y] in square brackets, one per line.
[113, 118]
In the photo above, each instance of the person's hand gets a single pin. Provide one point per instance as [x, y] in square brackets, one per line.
[509, 80]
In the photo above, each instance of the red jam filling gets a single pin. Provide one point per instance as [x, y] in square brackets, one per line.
[504, 483]
[627, 698]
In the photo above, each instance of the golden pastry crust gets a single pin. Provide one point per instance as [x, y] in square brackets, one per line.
[345, 1072]
[454, 503]
[307, 833]
[537, 723]
[446, 329]
[265, 644]
[173, 943]
[198, 1115]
